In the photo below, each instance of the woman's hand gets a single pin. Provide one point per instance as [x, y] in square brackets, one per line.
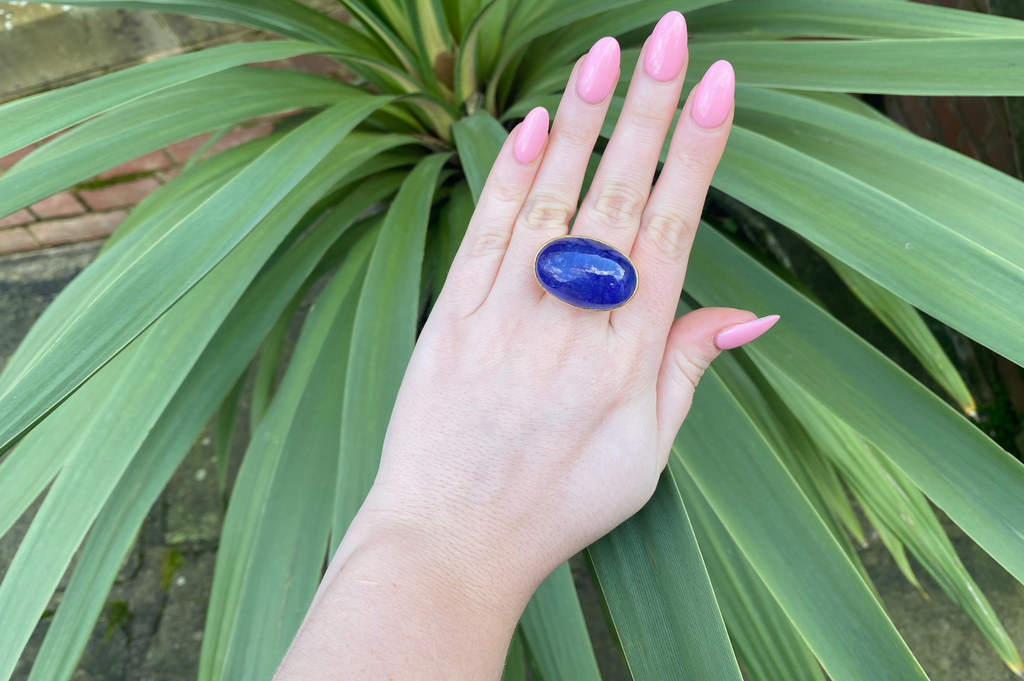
[525, 429]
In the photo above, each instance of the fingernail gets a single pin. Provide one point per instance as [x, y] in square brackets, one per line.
[666, 49]
[531, 135]
[600, 71]
[714, 95]
[735, 336]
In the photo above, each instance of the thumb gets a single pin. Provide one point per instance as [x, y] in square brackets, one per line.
[694, 341]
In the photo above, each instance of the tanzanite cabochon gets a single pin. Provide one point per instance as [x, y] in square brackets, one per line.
[585, 273]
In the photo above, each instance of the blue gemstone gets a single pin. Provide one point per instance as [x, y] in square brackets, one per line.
[585, 273]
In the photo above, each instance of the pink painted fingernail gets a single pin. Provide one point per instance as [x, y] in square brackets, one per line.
[531, 135]
[600, 71]
[714, 95]
[666, 50]
[735, 336]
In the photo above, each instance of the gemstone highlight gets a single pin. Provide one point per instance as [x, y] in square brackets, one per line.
[585, 273]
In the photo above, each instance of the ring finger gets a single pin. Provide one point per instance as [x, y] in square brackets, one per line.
[552, 200]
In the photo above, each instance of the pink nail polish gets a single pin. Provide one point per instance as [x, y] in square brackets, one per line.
[666, 50]
[735, 336]
[714, 95]
[531, 135]
[600, 71]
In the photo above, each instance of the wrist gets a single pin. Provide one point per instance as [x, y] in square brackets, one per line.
[465, 577]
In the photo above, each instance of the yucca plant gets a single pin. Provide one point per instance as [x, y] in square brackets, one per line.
[746, 550]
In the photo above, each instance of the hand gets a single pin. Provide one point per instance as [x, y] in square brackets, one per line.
[525, 429]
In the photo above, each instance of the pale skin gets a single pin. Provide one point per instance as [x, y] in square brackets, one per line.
[525, 429]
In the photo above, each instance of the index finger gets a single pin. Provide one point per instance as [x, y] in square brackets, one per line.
[670, 219]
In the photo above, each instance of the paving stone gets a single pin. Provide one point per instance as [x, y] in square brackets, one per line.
[58, 206]
[168, 175]
[81, 228]
[182, 151]
[16, 240]
[942, 637]
[241, 136]
[173, 654]
[194, 508]
[155, 160]
[22, 217]
[10, 159]
[119, 195]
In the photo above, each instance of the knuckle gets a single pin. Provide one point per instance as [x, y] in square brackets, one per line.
[617, 207]
[651, 118]
[487, 242]
[504, 192]
[576, 136]
[693, 163]
[688, 370]
[546, 213]
[669, 234]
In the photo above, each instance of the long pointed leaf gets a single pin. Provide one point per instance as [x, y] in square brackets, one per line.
[31, 119]
[659, 596]
[224, 359]
[977, 484]
[786, 542]
[382, 342]
[116, 312]
[154, 121]
[764, 638]
[555, 634]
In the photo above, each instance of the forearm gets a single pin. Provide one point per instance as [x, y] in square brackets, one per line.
[393, 606]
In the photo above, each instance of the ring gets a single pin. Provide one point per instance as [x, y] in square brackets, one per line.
[586, 273]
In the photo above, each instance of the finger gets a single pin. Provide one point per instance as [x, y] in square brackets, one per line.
[670, 220]
[476, 263]
[694, 341]
[552, 200]
[615, 203]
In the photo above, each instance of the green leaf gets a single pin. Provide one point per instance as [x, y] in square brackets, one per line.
[265, 381]
[765, 641]
[555, 634]
[191, 188]
[467, 65]
[977, 484]
[928, 66]
[785, 541]
[478, 139]
[284, 17]
[222, 362]
[934, 227]
[794, 448]
[515, 664]
[562, 48]
[455, 216]
[130, 394]
[906, 323]
[659, 596]
[154, 121]
[752, 19]
[384, 36]
[897, 507]
[224, 433]
[31, 119]
[120, 304]
[383, 336]
[433, 39]
[273, 582]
